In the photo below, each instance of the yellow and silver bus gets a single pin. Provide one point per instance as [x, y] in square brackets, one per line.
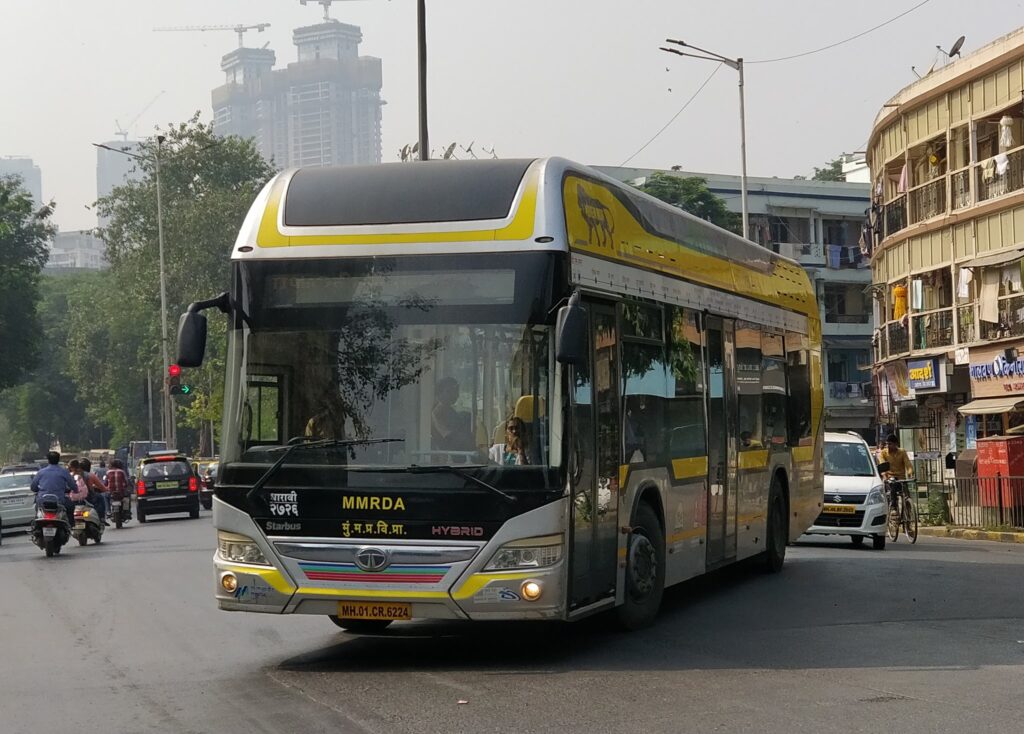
[511, 389]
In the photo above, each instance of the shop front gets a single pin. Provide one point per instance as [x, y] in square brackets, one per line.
[997, 391]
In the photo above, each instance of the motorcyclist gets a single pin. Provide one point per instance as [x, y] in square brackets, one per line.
[97, 490]
[56, 480]
[116, 481]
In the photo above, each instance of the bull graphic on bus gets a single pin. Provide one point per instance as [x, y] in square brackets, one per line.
[598, 217]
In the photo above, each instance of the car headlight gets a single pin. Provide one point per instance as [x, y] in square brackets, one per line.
[527, 553]
[875, 497]
[236, 548]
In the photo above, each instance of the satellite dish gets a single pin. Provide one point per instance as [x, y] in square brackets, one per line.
[955, 51]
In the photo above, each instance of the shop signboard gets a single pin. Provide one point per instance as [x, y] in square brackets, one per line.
[923, 373]
[993, 374]
[899, 380]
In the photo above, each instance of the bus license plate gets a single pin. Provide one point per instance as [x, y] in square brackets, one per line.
[369, 610]
[166, 485]
[839, 509]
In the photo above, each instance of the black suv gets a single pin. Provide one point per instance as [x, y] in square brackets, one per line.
[166, 483]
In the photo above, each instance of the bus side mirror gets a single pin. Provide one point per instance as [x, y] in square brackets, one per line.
[192, 330]
[571, 333]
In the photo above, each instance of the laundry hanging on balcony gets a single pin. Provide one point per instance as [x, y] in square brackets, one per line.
[1002, 162]
[989, 296]
[1005, 133]
[901, 187]
[963, 288]
[899, 300]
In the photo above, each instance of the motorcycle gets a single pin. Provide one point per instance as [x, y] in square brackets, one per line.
[120, 507]
[88, 524]
[50, 530]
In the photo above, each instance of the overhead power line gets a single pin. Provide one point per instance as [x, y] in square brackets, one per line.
[673, 118]
[840, 43]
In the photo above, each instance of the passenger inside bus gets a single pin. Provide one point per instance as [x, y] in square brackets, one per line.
[449, 428]
[514, 451]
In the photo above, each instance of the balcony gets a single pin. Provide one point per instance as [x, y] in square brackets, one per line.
[960, 184]
[933, 329]
[897, 338]
[894, 215]
[853, 391]
[927, 200]
[966, 326]
[1011, 320]
[992, 183]
[805, 254]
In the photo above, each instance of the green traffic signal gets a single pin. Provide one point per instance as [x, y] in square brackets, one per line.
[186, 389]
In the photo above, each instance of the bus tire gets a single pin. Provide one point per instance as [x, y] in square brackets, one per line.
[361, 626]
[776, 535]
[645, 570]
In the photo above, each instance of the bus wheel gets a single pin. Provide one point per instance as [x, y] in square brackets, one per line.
[645, 570]
[776, 530]
[361, 626]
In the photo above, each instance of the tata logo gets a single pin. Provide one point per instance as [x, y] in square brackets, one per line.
[372, 559]
[386, 504]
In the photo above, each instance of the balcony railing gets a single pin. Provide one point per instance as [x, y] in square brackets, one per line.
[933, 329]
[799, 251]
[894, 215]
[1011, 319]
[928, 200]
[960, 184]
[991, 183]
[898, 340]
[849, 390]
[965, 324]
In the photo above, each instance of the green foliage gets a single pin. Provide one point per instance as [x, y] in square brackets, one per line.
[24, 234]
[833, 171]
[692, 195]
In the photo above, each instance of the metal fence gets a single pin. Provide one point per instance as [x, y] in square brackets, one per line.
[985, 503]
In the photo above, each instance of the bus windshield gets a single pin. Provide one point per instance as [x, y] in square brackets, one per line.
[448, 357]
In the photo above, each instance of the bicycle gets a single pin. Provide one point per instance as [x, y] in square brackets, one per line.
[902, 514]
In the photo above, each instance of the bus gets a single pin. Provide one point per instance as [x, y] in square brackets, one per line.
[508, 389]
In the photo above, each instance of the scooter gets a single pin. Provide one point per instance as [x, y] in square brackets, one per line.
[120, 507]
[50, 530]
[88, 524]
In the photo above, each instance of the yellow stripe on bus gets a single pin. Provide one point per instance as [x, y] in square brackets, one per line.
[696, 466]
[274, 578]
[802, 453]
[520, 228]
[479, 580]
[757, 459]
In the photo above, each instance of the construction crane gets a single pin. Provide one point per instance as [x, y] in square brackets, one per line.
[123, 131]
[327, 6]
[239, 29]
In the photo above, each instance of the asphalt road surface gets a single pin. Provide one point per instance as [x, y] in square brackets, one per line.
[125, 637]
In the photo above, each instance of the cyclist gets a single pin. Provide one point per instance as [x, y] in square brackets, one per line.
[900, 467]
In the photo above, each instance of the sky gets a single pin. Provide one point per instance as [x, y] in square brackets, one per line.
[583, 79]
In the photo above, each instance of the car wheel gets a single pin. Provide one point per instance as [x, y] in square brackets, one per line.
[194, 513]
[645, 570]
[140, 514]
[857, 540]
[878, 542]
[361, 626]
[777, 538]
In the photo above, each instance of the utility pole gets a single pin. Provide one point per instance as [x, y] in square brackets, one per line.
[421, 44]
[736, 64]
[169, 422]
[149, 400]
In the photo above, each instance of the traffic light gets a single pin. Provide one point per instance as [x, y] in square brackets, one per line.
[174, 381]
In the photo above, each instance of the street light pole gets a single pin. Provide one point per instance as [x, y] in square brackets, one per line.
[736, 64]
[169, 422]
[421, 45]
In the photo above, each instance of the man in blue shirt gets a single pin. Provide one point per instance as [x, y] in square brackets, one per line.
[56, 480]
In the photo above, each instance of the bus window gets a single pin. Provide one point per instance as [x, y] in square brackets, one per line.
[773, 389]
[748, 385]
[645, 383]
[687, 436]
[263, 411]
[799, 378]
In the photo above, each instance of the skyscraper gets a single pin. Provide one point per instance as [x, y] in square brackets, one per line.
[321, 110]
[114, 168]
[31, 176]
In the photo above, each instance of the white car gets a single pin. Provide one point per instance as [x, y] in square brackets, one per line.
[17, 502]
[854, 500]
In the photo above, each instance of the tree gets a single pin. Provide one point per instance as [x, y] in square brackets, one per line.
[692, 195]
[833, 171]
[207, 186]
[24, 236]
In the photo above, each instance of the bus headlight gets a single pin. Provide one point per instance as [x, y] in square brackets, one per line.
[528, 553]
[875, 497]
[236, 548]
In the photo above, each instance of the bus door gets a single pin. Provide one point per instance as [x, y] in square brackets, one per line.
[722, 484]
[594, 465]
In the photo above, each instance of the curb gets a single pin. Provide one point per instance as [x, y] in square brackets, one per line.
[968, 534]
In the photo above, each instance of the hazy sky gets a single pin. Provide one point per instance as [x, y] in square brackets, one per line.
[579, 78]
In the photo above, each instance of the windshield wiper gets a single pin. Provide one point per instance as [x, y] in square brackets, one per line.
[459, 471]
[301, 443]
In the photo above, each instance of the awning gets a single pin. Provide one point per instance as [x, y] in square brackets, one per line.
[992, 406]
[1000, 258]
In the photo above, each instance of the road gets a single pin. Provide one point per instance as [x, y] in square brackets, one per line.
[124, 637]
